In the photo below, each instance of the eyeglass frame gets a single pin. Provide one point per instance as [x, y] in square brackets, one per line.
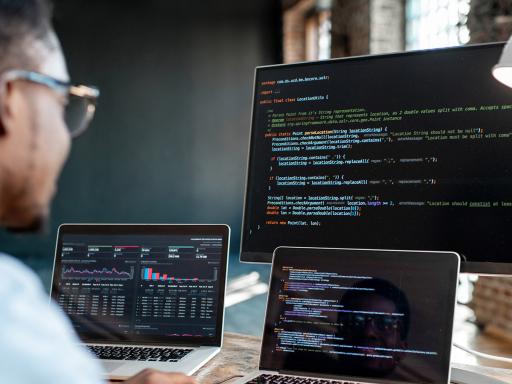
[374, 320]
[89, 93]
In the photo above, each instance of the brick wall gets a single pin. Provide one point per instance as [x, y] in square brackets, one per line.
[387, 26]
[492, 304]
[490, 20]
[358, 27]
[294, 30]
[350, 30]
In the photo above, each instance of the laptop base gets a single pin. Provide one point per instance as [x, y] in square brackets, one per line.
[121, 370]
[458, 376]
[325, 380]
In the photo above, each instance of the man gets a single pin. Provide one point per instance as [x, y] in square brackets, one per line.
[37, 343]
[383, 336]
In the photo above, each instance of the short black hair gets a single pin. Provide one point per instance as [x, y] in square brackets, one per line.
[22, 22]
[387, 290]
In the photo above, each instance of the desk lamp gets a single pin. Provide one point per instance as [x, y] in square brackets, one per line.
[503, 70]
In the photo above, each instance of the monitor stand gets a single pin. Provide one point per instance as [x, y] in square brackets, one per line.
[462, 375]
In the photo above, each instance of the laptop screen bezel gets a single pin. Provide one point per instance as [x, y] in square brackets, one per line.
[287, 254]
[152, 229]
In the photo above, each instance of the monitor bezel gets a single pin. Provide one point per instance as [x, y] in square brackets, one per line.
[259, 257]
[152, 229]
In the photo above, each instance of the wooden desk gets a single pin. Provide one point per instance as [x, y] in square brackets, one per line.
[240, 355]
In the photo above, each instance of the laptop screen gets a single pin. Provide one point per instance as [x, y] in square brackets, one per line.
[385, 315]
[142, 283]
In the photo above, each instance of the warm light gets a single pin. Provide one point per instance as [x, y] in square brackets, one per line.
[503, 70]
[503, 75]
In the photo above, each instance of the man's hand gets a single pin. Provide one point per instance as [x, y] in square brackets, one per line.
[151, 376]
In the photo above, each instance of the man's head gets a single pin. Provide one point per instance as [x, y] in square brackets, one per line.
[34, 141]
[378, 319]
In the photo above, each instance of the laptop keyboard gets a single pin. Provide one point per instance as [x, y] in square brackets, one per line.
[107, 352]
[283, 379]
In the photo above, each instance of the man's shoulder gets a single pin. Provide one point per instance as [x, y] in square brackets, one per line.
[17, 277]
[37, 341]
[10, 263]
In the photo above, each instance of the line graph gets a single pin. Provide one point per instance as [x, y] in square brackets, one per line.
[97, 274]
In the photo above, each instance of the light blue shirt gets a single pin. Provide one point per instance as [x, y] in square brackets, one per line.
[37, 342]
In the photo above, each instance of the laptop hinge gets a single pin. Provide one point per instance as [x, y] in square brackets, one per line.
[309, 374]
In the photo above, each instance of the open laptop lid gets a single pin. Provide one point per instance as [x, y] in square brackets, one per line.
[375, 315]
[143, 284]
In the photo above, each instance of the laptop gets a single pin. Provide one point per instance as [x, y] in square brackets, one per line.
[144, 296]
[358, 316]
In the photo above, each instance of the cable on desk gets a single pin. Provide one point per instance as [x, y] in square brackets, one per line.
[229, 378]
[484, 355]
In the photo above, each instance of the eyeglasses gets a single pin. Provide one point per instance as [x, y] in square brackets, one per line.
[80, 99]
[381, 323]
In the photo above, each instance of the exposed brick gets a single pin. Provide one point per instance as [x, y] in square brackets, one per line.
[294, 31]
[387, 18]
[492, 304]
[358, 27]
[490, 20]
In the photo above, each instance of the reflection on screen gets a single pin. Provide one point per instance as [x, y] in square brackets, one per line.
[140, 287]
[363, 323]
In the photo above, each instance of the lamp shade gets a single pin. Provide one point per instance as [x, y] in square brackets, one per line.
[503, 70]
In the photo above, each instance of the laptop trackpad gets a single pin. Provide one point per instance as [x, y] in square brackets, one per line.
[110, 366]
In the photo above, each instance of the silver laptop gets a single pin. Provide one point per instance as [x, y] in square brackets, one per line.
[144, 296]
[358, 316]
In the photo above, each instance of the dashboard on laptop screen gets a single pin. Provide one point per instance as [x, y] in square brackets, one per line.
[141, 287]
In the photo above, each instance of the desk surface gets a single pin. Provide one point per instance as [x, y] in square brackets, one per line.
[240, 355]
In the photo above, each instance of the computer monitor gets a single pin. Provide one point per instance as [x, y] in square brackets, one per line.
[398, 151]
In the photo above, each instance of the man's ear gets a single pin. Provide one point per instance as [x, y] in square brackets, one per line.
[5, 107]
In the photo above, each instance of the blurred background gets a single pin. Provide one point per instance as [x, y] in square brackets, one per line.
[170, 139]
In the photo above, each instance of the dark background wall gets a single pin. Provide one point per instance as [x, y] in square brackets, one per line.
[169, 141]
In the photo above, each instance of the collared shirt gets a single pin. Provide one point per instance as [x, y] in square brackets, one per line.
[37, 341]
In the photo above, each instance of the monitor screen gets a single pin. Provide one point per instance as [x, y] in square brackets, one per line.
[141, 284]
[399, 151]
[360, 313]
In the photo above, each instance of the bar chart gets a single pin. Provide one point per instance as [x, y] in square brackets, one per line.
[149, 274]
